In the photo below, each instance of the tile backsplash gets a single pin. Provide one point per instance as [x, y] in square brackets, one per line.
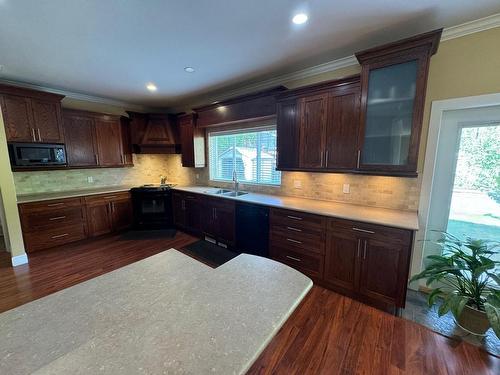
[146, 169]
[388, 192]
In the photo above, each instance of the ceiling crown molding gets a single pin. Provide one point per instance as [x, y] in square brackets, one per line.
[452, 32]
[80, 96]
[471, 27]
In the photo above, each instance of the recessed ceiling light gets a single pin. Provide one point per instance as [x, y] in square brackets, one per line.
[300, 18]
[151, 87]
[189, 69]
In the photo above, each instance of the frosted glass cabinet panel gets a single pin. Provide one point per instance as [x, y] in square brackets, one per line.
[389, 114]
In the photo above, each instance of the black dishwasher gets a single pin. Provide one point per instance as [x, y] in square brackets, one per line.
[252, 229]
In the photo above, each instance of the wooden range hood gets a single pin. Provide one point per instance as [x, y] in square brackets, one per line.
[154, 133]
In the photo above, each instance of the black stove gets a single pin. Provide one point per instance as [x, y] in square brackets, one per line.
[152, 206]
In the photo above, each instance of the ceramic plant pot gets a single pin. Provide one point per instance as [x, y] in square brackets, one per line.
[473, 321]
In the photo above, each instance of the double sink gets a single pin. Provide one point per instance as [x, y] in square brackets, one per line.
[229, 193]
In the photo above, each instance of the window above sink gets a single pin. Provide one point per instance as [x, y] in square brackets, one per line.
[249, 152]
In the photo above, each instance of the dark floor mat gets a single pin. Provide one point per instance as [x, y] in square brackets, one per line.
[148, 234]
[209, 253]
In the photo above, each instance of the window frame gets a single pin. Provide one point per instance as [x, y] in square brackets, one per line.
[242, 130]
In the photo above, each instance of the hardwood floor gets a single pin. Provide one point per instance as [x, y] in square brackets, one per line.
[327, 334]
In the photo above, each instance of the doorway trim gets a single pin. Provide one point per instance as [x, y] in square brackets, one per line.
[438, 108]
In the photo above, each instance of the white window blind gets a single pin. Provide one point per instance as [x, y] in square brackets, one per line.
[250, 152]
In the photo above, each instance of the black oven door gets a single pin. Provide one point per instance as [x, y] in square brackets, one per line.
[152, 210]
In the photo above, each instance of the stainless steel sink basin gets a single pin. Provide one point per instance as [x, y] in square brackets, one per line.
[222, 191]
[235, 193]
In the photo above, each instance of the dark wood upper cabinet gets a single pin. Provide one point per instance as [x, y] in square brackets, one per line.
[17, 117]
[342, 130]
[393, 85]
[192, 141]
[287, 134]
[154, 133]
[318, 126]
[81, 147]
[96, 140]
[48, 120]
[31, 116]
[251, 107]
[312, 127]
[109, 141]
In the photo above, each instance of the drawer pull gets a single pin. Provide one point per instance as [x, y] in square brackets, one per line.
[363, 230]
[294, 217]
[294, 241]
[294, 229]
[57, 218]
[60, 235]
[110, 196]
[55, 204]
[293, 258]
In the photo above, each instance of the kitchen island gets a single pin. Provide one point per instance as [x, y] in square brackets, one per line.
[165, 314]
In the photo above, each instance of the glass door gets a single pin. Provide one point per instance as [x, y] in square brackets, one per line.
[475, 197]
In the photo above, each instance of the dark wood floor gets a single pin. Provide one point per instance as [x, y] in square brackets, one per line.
[327, 334]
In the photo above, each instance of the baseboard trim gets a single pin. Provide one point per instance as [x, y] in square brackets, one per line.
[19, 260]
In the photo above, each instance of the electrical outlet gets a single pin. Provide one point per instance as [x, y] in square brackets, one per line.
[346, 188]
[297, 184]
[90, 179]
[197, 176]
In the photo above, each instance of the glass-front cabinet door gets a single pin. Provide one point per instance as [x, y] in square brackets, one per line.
[393, 84]
[389, 114]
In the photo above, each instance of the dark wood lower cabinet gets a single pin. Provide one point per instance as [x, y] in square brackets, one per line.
[187, 211]
[51, 223]
[218, 220]
[365, 261]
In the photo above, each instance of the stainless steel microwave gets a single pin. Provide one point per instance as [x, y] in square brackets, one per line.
[37, 154]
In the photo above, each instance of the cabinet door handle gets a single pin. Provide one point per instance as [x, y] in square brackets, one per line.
[215, 213]
[110, 196]
[55, 204]
[39, 136]
[364, 250]
[121, 159]
[33, 134]
[294, 217]
[294, 241]
[57, 218]
[293, 258]
[322, 156]
[96, 159]
[112, 206]
[359, 248]
[294, 229]
[363, 230]
[60, 235]
[326, 158]
[359, 157]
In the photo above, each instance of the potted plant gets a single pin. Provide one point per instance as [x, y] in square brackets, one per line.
[468, 282]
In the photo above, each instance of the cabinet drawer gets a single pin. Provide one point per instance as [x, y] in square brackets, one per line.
[310, 264]
[366, 230]
[99, 199]
[51, 205]
[52, 218]
[297, 219]
[306, 242]
[44, 239]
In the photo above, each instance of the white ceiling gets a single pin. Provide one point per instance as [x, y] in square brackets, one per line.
[112, 48]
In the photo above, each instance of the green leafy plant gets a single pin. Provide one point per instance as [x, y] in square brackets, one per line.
[467, 276]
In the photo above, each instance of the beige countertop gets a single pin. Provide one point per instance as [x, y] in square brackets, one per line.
[27, 198]
[166, 314]
[374, 215]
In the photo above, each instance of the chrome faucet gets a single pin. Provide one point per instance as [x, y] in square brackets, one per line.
[235, 181]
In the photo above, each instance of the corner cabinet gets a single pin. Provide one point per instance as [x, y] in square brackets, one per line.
[393, 85]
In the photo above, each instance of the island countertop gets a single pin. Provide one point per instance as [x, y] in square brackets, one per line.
[165, 314]
[374, 215]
